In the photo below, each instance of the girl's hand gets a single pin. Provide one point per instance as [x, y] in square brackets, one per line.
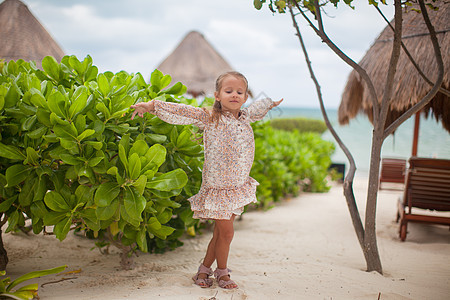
[276, 103]
[142, 107]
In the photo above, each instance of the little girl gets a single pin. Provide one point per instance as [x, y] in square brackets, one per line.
[229, 150]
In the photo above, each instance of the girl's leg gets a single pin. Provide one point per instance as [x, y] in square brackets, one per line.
[210, 256]
[222, 246]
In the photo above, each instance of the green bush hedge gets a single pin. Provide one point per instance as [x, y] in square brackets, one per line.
[300, 124]
[287, 162]
[72, 159]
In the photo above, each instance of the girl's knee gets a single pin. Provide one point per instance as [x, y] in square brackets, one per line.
[226, 235]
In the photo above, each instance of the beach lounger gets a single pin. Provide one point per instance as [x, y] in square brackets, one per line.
[427, 188]
[392, 170]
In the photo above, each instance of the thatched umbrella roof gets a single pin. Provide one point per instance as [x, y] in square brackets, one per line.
[409, 87]
[196, 64]
[22, 36]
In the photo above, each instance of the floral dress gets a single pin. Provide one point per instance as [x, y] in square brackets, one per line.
[229, 149]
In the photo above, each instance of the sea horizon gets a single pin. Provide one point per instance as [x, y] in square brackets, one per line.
[434, 140]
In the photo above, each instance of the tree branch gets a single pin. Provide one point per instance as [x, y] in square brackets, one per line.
[411, 59]
[427, 98]
[395, 55]
[348, 185]
[345, 58]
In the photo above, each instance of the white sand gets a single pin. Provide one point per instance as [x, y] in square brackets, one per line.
[304, 248]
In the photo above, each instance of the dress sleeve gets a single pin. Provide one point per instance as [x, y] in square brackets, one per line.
[181, 114]
[258, 109]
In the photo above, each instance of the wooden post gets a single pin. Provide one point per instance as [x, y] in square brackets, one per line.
[416, 134]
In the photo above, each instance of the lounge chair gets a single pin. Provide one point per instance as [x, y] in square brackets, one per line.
[392, 170]
[427, 187]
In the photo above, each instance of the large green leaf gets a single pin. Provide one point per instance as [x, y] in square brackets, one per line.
[27, 193]
[78, 104]
[56, 103]
[37, 133]
[90, 218]
[11, 152]
[38, 209]
[123, 156]
[140, 184]
[172, 180]
[134, 203]
[83, 194]
[140, 147]
[155, 80]
[16, 174]
[106, 213]
[134, 167]
[32, 157]
[62, 228]
[153, 224]
[175, 89]
[53, 217]
[106, 193]
[156, 155]
[12, 96]
[141, 240]
[103, 85]
[66, 131]
[163, 232]
[6, 204]
[37, 98]
[29, 122]
[70, 159]
[125, 216]
[164, 215]
[56, 202]
[34, 274]
[50, 65]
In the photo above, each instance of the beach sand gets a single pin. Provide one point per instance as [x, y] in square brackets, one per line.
[304, 248]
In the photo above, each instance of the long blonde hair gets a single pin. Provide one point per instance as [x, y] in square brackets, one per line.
[217, 111]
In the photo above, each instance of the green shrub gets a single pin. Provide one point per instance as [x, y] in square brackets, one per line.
[300, 124]
[288, 162]
[71, 157]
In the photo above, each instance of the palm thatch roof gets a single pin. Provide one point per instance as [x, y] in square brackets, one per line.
[196, 64]
[22, 36]
[409, 86]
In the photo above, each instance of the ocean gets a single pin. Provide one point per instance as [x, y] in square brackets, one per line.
[434, 140]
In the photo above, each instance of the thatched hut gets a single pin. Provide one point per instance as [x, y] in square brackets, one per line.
[196, 64]
[22, 36]
[409, 87]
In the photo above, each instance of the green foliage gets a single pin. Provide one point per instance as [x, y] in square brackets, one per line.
[299, 124]
[26, 292]
[287, 162]
[281, 5]
[71, 157]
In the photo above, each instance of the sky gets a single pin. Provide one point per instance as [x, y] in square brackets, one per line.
[137, 35]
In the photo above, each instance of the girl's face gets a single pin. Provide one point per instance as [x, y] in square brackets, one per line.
[232, 95]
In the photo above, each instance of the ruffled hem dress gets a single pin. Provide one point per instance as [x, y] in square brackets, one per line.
[229, 148]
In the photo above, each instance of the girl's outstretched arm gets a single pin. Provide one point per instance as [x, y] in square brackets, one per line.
[173, 113]
[141, 108]
[258, 109]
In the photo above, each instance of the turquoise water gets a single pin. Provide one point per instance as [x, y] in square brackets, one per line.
[434, 141]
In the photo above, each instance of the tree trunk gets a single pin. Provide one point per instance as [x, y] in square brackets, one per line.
[3, 254]
[370, 248]
[126, 260]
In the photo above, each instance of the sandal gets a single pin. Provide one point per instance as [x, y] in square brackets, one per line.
[203, 282]
[219, 273]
